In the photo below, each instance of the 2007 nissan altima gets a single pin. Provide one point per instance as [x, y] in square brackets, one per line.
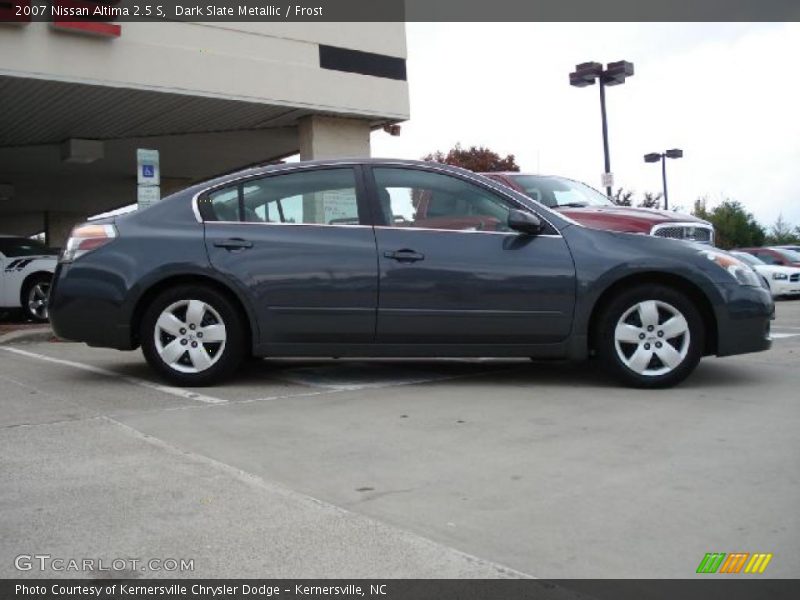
[390, 258]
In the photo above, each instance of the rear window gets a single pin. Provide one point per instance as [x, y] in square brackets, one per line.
[13, 247]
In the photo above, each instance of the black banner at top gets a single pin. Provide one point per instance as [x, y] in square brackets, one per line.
[23, 11]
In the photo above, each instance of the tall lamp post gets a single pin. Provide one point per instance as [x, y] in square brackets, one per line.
[663, 156]
[615, 73]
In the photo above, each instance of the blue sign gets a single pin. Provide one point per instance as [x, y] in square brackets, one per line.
[148, 171]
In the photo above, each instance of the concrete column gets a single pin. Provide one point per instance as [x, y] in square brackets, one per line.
[333, 137]
[329, 137]
[57, 226]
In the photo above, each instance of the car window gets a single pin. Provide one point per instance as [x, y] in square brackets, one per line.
[788, 255]
[748, 258]
[555, 192]
[422, 199]
[320, 197]
[768, 258]
[326, 197]
[225, 204]
[14, 247]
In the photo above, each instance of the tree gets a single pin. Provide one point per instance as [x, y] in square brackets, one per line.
[734, 226]
[623, 197]
[781, 233]
[651, 200]
[476, 158]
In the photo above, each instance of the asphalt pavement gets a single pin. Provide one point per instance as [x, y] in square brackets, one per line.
[399, 468]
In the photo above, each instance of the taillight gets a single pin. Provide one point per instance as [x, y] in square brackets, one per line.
[85, 238]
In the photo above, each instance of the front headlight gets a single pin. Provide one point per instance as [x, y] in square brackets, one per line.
[780, 276]
[737, 269]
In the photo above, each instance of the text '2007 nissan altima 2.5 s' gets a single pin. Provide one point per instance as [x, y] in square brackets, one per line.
[394, 258]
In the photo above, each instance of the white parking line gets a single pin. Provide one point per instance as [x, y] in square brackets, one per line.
[165, 389]
[777, 335]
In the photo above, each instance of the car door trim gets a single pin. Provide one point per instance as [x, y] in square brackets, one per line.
[510, 233]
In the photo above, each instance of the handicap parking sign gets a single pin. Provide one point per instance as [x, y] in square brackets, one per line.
[147, 167]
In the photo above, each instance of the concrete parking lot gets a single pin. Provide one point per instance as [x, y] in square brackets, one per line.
[334, 468]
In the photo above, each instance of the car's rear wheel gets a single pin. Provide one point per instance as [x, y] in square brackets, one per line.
[193, 336]
[34, 298]
[650, 336]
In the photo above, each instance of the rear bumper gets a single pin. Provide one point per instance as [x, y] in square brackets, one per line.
[743, 321]
[87, 309]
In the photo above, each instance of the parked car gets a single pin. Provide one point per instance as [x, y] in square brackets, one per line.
[26, 268]
[781, 281]
[394, 258]
[774, 256]
[792, 248]
[589, 207]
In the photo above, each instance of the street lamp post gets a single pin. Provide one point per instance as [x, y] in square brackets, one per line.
[663, 156]
[615, 73]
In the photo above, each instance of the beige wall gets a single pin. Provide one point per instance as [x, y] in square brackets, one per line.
[271, 63]
[267, 75]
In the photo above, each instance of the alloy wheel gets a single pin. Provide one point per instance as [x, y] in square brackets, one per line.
[37, 300]
[190, 336]
[652, 338]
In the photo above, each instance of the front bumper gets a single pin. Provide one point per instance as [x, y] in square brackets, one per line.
[785, 287]
[743, 320]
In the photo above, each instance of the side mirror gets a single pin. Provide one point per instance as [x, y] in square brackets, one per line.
[524, 222]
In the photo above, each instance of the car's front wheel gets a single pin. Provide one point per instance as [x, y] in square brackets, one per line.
[193, 335]
[651, 336]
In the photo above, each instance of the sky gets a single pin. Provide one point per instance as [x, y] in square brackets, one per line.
[727, 94]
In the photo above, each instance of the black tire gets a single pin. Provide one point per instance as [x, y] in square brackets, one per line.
[34, 286]
[688, 349]
[227, 357]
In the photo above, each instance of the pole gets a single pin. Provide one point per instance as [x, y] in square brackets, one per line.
[605, 131]
[664, 180]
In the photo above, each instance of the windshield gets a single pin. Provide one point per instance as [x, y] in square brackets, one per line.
[789, 255]
[12, 247]
[554, 192]
[748, 258]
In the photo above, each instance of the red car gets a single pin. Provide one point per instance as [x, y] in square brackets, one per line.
[589, 207]
[775, 256]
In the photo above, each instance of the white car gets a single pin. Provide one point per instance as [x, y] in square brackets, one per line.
[781, 281]
[26, 268]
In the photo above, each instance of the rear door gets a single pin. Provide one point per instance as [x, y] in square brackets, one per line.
[451, 271]
[301, 246]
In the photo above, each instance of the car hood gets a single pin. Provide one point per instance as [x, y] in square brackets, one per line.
[626, 218]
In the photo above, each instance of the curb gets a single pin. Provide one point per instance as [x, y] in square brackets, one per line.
[37, 334]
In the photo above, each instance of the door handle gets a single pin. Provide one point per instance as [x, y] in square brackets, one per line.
[233, 244]
[404, 255]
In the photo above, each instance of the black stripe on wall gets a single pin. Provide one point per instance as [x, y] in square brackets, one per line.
[364, 63]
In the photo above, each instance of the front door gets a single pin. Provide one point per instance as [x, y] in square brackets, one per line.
[452, 272]
[300, 246]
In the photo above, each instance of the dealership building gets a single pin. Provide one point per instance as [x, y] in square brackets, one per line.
[77, 102]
